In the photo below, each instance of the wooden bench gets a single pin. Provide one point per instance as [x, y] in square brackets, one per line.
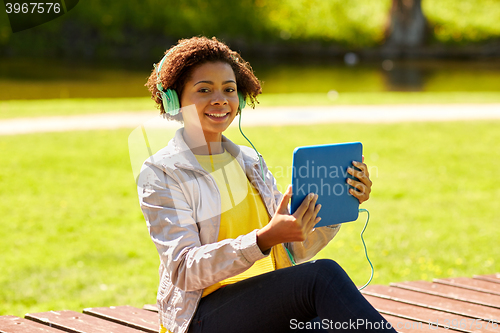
[444, 305]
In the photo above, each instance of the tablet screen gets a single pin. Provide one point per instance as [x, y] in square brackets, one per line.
[322, 170]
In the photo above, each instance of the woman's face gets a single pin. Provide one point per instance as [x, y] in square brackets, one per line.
[212, 90]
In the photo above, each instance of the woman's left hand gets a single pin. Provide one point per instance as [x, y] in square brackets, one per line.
[364, 185]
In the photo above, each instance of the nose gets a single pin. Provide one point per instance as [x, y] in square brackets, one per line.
[219, 98]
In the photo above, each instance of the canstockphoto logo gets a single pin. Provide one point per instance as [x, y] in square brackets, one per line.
[25, 14]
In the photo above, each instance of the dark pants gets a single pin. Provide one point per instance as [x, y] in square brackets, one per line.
[316, 294]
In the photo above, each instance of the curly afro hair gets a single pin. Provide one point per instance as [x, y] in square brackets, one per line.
[184, 57]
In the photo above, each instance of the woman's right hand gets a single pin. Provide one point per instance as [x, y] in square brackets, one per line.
[284, 227]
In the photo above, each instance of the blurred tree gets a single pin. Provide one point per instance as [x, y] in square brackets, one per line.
[407, 25]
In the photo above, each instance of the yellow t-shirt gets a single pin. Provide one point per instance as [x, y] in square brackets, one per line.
[242, 210]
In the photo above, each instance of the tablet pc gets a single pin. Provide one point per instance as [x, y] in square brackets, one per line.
[322, 170]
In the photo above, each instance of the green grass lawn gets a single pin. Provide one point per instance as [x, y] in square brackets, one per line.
[68, 107]
[73, 234]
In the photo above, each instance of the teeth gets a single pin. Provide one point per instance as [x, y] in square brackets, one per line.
[218, 115]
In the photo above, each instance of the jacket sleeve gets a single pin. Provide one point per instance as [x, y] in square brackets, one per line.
[315, 241]
[176, 234]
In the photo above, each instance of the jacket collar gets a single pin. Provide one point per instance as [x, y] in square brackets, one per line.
[179, 155]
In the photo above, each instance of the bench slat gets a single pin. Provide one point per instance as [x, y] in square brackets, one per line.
[417, 313]
[129, 316]
[71, 321]
[457, 293]
[433, 302]
[490, 278]
[13, 324]
[410, 326]
[472, 284]
[151, 307]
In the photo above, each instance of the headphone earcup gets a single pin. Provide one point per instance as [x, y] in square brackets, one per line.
[171, 102]
[242, 100]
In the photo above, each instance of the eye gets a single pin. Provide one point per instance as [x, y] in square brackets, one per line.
[203, 90]
[230, 89]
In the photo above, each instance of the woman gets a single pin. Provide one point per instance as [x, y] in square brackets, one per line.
[222, 229]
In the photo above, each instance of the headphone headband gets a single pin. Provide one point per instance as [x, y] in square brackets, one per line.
[169, 97]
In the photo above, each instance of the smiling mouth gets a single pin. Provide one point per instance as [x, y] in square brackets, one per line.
[217, 115]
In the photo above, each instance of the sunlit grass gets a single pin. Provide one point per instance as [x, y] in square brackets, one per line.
[71, 224]
[75, 237]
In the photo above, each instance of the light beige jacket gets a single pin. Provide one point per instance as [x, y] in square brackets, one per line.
[181, 204]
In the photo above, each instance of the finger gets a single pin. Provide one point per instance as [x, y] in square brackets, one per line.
[361, 176]
[361, 198]
[304, 206]
[362, 193]
[314, 219]
[358, 195]
[283, 206]
[359, 187]
[362, 158]
[310, 210]
[308, 226]
[362, 166]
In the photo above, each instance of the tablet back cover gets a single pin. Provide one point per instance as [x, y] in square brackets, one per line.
[322, 170]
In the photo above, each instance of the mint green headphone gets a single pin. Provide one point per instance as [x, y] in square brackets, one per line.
[169, 97]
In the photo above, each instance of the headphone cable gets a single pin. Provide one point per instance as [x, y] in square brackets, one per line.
[366, 251]
[258, 155]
